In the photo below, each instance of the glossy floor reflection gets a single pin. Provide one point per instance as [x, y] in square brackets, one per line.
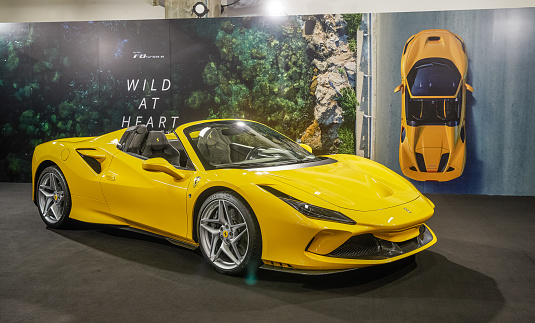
[480, 270]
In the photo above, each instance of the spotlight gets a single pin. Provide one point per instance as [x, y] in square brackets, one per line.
[276, 8]
[200, 9]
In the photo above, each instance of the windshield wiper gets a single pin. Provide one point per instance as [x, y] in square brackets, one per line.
[241, 165]
[299, 161]
[434, 64]
[269, 164]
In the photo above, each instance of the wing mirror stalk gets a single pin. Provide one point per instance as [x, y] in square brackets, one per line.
[162, 166]
[398, 88]
[306, 147]
[469, 87]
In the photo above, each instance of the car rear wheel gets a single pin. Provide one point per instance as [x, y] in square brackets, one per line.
[229, 234]
[53, 197]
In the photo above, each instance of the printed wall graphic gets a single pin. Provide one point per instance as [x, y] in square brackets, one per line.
[500, 119]
[326, 80]
[296, 74]
[135, 80]
[433, 103]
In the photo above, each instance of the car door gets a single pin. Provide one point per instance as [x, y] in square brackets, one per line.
[151, 201]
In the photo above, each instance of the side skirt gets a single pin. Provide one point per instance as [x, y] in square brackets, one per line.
[173, 241]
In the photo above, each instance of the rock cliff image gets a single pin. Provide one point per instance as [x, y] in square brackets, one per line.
[335, 69]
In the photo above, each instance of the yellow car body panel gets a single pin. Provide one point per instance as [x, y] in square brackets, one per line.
[381, 202]
[437, 136]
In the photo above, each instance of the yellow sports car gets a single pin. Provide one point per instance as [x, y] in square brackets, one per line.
[243, 193]
[432, 143]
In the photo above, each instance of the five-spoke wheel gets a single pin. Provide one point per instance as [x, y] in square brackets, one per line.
[53, 197]
[228, 233]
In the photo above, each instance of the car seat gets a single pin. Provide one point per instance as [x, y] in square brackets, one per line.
[158, 146]
[214, 147]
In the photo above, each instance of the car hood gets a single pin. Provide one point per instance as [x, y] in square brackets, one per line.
[432, 136]
[435, 143]
[352, 183]
[449, 47]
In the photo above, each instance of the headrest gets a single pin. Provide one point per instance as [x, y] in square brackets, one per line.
[212, 137]
[140, 128]
[157, 140]
[129, 134]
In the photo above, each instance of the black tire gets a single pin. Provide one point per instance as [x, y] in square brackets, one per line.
[232, 244]
[53, 198]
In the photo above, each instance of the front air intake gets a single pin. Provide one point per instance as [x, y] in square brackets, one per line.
[360, 246]
[443, 162]
[367, 246]
[433, 38]
[421, 163]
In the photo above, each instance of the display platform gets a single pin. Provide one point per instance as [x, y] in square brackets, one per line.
[481, 269]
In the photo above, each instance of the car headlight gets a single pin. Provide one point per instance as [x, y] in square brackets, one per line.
[310, 210]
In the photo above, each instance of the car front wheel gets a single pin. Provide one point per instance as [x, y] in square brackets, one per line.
[229, 234]
[53, 197]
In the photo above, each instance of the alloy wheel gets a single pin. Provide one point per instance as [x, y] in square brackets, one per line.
[224, 234]
[51, 198]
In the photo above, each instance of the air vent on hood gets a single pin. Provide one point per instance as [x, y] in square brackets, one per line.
[433, 38]
[462, 43]
[407, 44]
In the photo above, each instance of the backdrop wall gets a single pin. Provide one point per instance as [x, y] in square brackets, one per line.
[295, 74]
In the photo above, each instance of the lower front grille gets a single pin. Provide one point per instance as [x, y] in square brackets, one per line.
[357, 247]
[368, 247]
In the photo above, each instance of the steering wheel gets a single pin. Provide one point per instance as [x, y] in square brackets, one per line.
[253, 151]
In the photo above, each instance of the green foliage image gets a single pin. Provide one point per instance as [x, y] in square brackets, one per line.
[348, 102]
[262, 73]
[353, 24]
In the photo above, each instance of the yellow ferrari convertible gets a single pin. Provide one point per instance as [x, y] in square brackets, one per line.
[432, 143]
[244, 194]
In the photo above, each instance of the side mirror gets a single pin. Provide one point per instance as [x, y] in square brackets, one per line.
[469, 87]
[307, 147]
[398, 88]
[163, 166]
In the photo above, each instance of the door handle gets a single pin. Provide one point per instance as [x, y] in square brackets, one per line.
[110, 176]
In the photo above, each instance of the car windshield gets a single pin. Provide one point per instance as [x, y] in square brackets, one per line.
[244, 144]
[434, 77]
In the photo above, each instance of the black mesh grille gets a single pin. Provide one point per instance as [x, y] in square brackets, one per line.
[357, 247]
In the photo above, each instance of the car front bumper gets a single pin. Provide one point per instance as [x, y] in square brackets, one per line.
[291, 241]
